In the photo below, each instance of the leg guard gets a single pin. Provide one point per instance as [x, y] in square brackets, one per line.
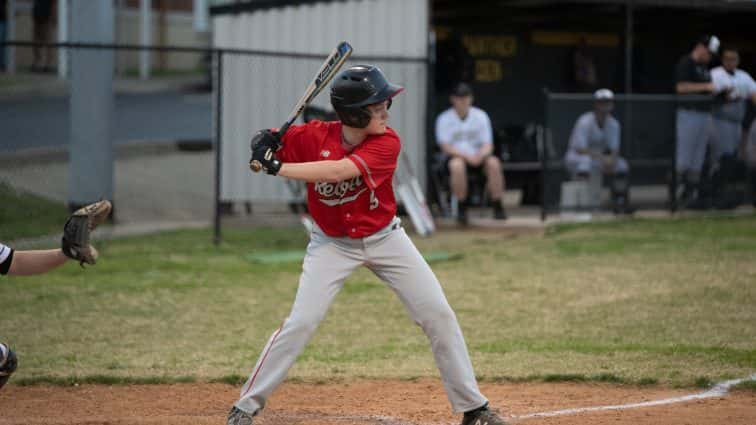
[620, 187]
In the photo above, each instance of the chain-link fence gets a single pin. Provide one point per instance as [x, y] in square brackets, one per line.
[581, 174]
[78, 123]
[161, 145]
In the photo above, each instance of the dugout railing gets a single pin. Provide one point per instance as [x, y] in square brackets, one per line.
[648, 144]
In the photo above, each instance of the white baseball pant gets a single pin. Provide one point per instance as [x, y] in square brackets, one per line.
[391, 255]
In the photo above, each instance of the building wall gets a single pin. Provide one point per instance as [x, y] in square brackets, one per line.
[259, 92]
[178, 31]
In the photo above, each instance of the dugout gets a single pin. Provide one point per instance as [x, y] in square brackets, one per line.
[514, 51]
[510, 50]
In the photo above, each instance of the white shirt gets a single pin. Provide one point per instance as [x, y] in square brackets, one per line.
[4, 253]
[467, 136]
[743, 87]
[741, 82]
[586, 134]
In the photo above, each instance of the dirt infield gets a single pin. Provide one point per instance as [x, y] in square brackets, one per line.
[420, 402]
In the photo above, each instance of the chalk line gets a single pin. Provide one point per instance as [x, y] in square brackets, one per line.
[717, 390]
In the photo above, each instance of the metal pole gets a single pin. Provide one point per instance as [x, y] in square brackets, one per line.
[628, 106]
[673, 174]
[430, 106]
[10, 34]
[145, 38]
[217, 123]
[91, 105]
[629, 47]
[544, 153]
[62, 38]
[200, 16]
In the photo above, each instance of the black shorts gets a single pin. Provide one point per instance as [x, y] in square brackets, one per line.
[470, 169]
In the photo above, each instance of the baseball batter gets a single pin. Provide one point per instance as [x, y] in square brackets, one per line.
[348, 166]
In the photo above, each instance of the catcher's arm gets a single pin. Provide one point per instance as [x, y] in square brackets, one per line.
[25, 263]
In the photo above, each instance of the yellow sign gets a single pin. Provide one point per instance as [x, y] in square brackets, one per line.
[563, 38]
[490, 45]
[442, 33]
[488, 71]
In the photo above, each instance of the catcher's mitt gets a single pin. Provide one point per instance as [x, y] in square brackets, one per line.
[8, 363]
[75, 243]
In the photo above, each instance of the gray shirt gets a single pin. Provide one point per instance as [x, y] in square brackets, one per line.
[586, 134]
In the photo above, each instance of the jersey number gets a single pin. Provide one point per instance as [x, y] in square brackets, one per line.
[373, 201]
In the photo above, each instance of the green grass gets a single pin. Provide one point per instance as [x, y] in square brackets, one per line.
[23, 215]
[642, 302]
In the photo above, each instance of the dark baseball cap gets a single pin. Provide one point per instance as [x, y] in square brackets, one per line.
[461, 90]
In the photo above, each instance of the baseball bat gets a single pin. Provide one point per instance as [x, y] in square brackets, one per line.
[332, 64]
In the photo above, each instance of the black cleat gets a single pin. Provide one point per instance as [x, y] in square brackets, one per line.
[482, 416]
[498, 211]
[621, 206]
[462, 214]
[238, 417]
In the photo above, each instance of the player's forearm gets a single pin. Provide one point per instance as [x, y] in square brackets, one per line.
[320, 171]
[689, 87]
[34, 262]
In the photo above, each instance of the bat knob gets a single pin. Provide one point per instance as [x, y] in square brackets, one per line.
[255, 166]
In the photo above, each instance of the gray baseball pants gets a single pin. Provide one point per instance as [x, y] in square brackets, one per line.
[392, 256]
[693, 132]
[726, 137]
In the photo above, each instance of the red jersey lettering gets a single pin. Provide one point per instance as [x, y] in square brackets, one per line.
[357, 207]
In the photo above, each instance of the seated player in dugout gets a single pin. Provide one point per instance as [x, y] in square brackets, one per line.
[464, 135]
[594, 148]
[348, 166]
[74, 245]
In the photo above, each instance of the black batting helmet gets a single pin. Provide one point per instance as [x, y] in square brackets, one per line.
[357, 87]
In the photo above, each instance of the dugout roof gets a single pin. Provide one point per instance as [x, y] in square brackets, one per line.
[228, 6]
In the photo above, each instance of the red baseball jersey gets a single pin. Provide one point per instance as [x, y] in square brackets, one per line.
[357, 207]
